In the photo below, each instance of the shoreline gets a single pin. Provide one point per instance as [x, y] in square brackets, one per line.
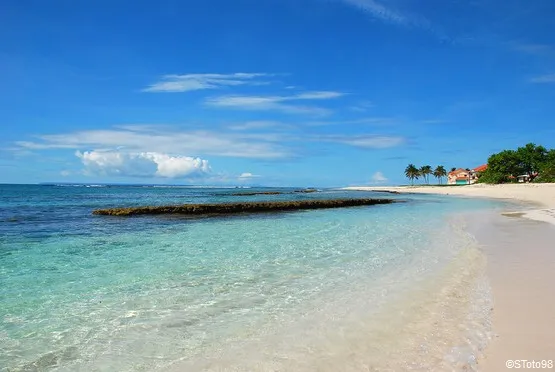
[538, 194]
[521, 267]
[540, 197]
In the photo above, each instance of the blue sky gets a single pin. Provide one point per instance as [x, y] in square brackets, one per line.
[269, 92]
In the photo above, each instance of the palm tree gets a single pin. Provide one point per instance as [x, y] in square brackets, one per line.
[425, 171]
[412, 173]
[440, 172]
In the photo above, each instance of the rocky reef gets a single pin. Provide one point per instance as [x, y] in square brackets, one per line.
[238, 208]
[305, 191]
[256, 193]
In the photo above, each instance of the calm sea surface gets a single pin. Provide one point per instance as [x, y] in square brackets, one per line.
[388, 287]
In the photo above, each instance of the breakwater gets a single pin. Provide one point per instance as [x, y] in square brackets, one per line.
[305, 191]
[238, 208]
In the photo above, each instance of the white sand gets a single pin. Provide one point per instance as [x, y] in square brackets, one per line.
[521, 268]
[521, 271]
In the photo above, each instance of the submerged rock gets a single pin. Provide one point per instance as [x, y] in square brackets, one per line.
[257, 193]
[387, 191]
[305, 191]
[237, 208]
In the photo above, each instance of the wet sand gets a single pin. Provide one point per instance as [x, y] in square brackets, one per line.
[520, 248]
[521, 269]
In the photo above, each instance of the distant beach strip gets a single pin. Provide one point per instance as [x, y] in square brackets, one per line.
[238, 208]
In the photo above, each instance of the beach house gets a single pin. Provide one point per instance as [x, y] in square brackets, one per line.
[526, 177]
[458, 176]
[466, 176]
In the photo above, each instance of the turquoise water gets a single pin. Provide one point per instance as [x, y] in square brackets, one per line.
[262, 292]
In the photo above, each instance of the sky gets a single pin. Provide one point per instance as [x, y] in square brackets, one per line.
[269, 92]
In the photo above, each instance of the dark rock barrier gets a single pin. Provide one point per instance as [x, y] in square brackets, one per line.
[255, 193]
[237, 208]
[387, 191]
[307, 191]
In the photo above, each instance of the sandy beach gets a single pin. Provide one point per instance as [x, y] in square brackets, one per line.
[520, 248]
[540, 194]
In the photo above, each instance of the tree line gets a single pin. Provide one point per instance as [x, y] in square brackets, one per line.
[413, 173]
[535, 162]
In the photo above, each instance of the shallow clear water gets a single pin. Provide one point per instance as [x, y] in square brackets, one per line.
[378, 287]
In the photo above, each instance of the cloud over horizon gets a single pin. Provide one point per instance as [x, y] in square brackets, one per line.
[144, 164]
[247, 176]
[379, 177]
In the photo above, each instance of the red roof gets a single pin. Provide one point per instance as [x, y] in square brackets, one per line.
[457, 171]
[481, 168]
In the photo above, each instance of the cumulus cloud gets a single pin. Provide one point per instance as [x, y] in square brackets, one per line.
[144, 164]
[378, 177]
[190, 82]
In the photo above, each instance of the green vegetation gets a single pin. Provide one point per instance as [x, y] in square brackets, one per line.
[439, 173]
[238, 208]
[547, 168]
[414, 173]
[425, 172]
[535, 162]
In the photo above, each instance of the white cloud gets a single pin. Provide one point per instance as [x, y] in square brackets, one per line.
[247, 176]
[433, 121]
[379, 10]
[277, 103]
[532, 48]
[190, 82]
[362, 106]
[261, 124]
[366, 141]
[378, 177]
[369, 120]
[382, 10]
[549, 78]
[139, 139]
[65, 173]
[145, 164]
[316, 95]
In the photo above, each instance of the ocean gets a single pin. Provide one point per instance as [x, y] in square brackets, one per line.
[386, 287]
